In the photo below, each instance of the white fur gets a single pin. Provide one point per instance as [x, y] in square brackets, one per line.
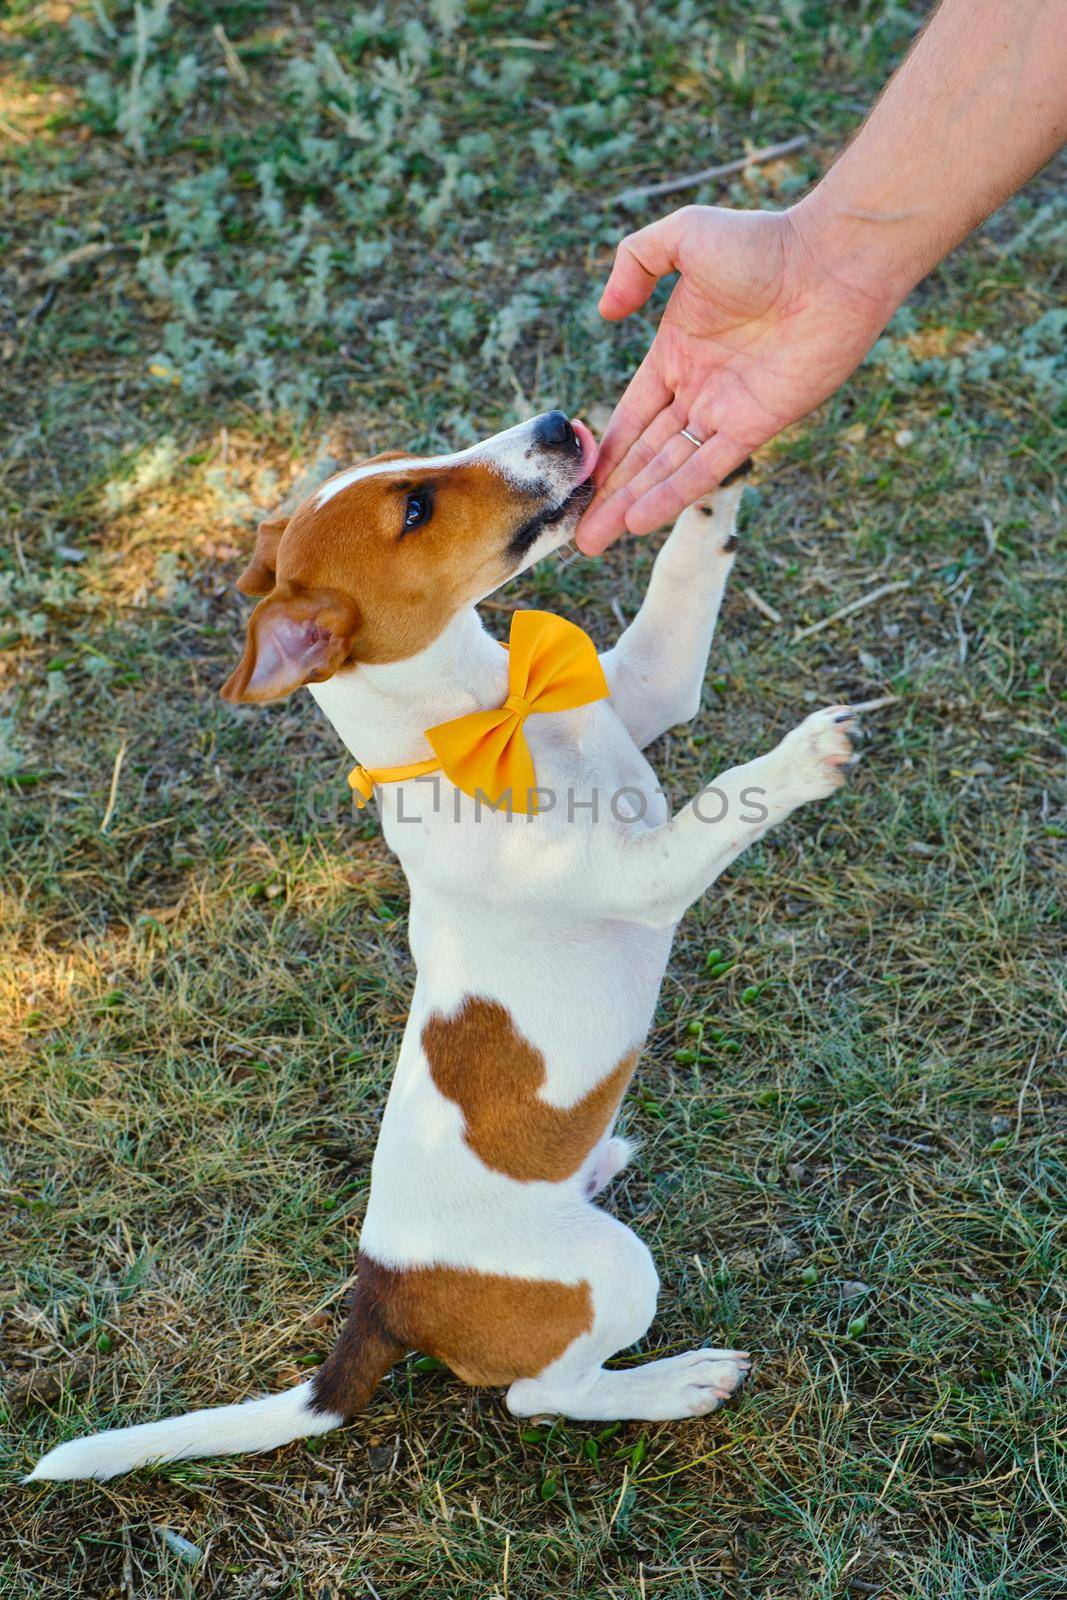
[224, 1431]
[509, 452]
[567, 921]
[564, 919]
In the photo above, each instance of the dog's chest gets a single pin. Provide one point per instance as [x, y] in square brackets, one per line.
[590, 776]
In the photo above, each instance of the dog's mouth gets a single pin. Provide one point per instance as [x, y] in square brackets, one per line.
[577, 500]
[564, 514]
[590, 449]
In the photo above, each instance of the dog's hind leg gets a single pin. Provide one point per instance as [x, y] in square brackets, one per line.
[688, 1385]
[656, 669]
[578, 1384]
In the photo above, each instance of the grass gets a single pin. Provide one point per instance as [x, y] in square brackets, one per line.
[385, 226]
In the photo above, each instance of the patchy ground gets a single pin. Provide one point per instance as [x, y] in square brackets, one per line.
[230, 230]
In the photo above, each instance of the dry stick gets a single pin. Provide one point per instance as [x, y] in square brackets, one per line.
[769, 152]
[861, 708]
[19, 135]
[853, 605]
[114, 794]
[762, 605]
[892, 1471]
[234, 65]
[1022, 1096]
[84, 256]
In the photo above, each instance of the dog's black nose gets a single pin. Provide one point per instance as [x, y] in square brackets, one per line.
[554, 432]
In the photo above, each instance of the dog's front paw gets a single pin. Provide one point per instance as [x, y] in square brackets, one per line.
[816, 756]
[722, 504]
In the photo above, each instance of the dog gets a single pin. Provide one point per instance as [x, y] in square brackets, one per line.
[540, 932]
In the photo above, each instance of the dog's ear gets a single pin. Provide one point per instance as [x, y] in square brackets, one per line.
[295, 636]
[258, 576]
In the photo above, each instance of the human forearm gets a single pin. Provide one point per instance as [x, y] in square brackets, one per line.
[977, 107]
[773, 310]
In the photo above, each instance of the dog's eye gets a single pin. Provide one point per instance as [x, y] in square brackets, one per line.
[418, 510]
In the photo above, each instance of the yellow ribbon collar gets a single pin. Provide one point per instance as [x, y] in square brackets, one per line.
[552, 666]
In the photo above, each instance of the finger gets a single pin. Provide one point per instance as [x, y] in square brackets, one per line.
[661, 450]
[644, 397]
[664, 426]
[604, 522]
[703, 471]
[607, 516]
[641, 260]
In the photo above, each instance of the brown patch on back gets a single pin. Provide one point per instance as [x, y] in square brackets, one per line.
[488, 1328]
[480, 1060]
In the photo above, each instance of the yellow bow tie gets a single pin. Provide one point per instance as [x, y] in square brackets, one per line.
[552, 666]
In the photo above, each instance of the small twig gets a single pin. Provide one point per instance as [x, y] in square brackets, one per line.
[114, 793]
[85, 255]
[761, 605]
[20, 554]
[769, 152]
[622, 1497]
[19, 135]
[1022, 1096]
[234, 65]
[617, 612]
[991, 550]
[522, 44]
[853, 605]
[910, 1144]
[127, 1563]
[957, 612]
[44, 305]
[861, 707]
[893, 1470]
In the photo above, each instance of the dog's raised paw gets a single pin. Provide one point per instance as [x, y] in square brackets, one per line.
[819, 752]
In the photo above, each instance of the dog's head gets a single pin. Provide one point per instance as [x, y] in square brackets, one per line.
[374, 564]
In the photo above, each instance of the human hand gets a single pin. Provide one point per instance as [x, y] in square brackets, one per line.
[760, 327]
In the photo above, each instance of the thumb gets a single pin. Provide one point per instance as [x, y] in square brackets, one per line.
[641, 259]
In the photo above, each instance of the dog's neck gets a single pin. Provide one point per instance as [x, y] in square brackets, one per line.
[381, 712]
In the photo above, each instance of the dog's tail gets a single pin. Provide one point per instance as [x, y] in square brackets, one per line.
[342, 1386]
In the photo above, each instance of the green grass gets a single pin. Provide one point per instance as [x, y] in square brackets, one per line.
[199, 1007]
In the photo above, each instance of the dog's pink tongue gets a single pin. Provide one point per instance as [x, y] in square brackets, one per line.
[590, 448]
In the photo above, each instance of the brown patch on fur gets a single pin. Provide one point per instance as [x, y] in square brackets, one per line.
[488, 1328]
[406, 586]
[258, 576]
[351, 558]
[480, 1060]
[294, 637]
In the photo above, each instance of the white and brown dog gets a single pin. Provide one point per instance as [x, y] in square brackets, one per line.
[540, 941]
